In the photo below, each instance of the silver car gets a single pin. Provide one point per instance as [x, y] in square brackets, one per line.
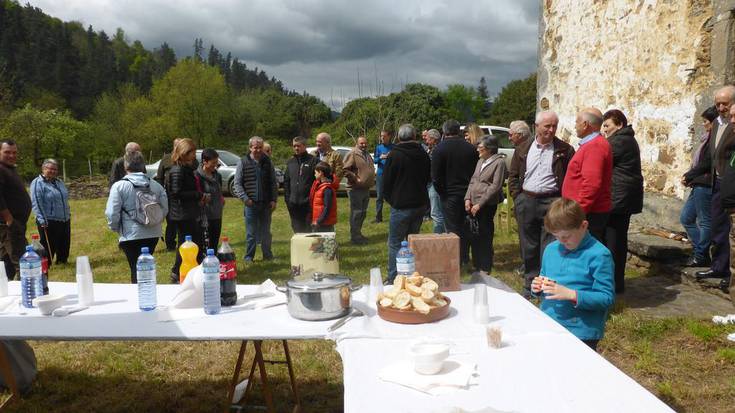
[227, 166]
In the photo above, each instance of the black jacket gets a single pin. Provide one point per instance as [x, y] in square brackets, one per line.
[298, 179]
[406, 174]
[701, 173]
[627, 179]
[183, 197]
[452, 165]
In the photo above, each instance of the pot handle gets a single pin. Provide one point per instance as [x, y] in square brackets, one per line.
[281, 289]
[355, 288]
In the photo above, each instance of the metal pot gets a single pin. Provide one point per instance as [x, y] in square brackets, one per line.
[323, 297]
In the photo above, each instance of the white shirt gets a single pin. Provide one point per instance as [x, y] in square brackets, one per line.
[539, 175]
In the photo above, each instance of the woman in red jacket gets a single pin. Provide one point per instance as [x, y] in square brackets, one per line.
[323, 198]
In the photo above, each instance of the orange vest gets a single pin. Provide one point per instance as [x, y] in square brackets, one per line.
[316, 195]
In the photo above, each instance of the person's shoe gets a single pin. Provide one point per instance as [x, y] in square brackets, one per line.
[701, 275]
[376, 221]
[698, 262]
[268, 258]
[248, 260]
[725, 285]
[359, 241]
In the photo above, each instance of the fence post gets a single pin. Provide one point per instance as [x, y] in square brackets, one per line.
[89, 163]
[63, 168]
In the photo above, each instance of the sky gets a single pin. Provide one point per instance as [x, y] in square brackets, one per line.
[324, 46]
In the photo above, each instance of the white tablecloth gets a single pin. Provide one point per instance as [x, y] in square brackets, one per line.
[542, 367]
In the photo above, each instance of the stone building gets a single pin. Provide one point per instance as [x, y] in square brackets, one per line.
[659, 61]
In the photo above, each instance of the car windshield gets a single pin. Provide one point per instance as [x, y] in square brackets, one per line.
[229, 158]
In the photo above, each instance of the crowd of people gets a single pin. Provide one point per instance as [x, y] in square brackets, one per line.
[583, 198]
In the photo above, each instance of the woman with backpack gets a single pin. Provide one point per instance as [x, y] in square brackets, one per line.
[185, 200]
[135, 209]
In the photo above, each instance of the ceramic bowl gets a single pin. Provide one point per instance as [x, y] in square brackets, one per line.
[429, 358]
[48, 303]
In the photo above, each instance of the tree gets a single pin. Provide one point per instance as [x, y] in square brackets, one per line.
[517, 101]
[195, 97]
[463, 103]
[482, 89]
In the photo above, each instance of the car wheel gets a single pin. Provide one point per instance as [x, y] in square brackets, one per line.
[231, 187]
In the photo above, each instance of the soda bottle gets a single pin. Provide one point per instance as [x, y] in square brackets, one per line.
[31, 280]
[188, 251]
[146, 274]
[405, 261]
[45, 261]
[210, 273]
[227, 273]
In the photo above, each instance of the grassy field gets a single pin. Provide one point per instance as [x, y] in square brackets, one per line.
[684, 361]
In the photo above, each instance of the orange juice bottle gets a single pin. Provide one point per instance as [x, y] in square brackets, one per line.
[188, 251]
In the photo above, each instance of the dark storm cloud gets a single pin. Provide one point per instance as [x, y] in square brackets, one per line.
[320, 46]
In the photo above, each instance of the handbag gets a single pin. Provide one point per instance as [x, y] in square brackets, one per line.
[472, 225]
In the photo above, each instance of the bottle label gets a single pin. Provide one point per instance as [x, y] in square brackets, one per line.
[44, 265]
[405, 265]
[227, 270]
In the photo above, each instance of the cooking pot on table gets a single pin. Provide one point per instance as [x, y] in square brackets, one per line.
[319, 297]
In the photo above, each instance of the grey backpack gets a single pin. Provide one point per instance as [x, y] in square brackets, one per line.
[148, 210]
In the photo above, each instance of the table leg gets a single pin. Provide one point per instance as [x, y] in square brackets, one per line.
[263, 376]
[292, 378]
[236, 374]
[7, 372]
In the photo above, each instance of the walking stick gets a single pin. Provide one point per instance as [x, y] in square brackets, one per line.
[48, 242]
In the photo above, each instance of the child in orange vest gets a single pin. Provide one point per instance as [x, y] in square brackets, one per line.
[323, 199]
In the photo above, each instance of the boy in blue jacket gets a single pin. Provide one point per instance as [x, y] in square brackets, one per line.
[576, 280]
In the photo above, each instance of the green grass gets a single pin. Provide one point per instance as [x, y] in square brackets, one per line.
[686, 362]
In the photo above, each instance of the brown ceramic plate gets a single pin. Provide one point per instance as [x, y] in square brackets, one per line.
[414, 317]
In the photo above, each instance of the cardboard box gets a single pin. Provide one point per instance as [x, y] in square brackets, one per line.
[437, 257]
[315, 252]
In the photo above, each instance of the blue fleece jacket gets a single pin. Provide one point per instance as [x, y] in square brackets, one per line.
[588, 269]
[380, 150]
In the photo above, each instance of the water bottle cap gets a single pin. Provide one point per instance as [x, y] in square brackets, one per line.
[225, 239]
[404, 243]
[35, 236]
[210, 252]
[144, 250]
[187, 238]
[29, 248]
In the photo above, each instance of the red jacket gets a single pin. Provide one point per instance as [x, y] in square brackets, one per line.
[589, 176]
[316, 196]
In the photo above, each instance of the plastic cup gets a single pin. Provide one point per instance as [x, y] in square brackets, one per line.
[376, 286]
[83, 266]
[481, 308]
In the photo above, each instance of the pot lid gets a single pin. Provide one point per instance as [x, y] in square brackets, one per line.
[319, 281]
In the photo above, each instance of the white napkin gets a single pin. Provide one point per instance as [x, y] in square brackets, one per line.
[267, 286]
[175, 311]
[455, 375]
[9, 304]
[191, 292]
[731, 337]
[728, 319]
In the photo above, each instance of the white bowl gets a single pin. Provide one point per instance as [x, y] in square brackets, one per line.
[429, 358]
[48, 303]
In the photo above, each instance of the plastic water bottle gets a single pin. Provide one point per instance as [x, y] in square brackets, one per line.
[146, 269]
[45, 261]
[31, 280]
[405, 260]
[210, 272]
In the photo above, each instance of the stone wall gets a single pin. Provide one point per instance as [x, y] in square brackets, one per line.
[656, 60]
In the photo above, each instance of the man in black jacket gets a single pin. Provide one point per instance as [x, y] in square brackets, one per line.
[255, 184]
[15, 208]
[297, 183]
[406, 174]
[452, 165]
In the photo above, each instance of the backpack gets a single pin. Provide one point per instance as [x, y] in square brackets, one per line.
[148, 210]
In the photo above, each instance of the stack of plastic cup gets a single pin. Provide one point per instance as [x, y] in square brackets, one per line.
[376, 287]
[85, 281]
[481, 308]
[3, 280]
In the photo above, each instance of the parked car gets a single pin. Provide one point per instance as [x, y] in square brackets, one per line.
[342, 151]
[506, 146]
[227, 167]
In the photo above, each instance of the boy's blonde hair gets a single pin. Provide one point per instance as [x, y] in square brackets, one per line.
[564, 215]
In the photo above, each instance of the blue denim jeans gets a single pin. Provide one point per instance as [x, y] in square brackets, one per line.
[402, 223]
[379, 197]
[436, 211]
[695, 217]
[258, 230]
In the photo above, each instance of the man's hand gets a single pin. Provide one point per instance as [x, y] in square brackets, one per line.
[467, 205]
[249, 202]
[273, 205]
[474, 209]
